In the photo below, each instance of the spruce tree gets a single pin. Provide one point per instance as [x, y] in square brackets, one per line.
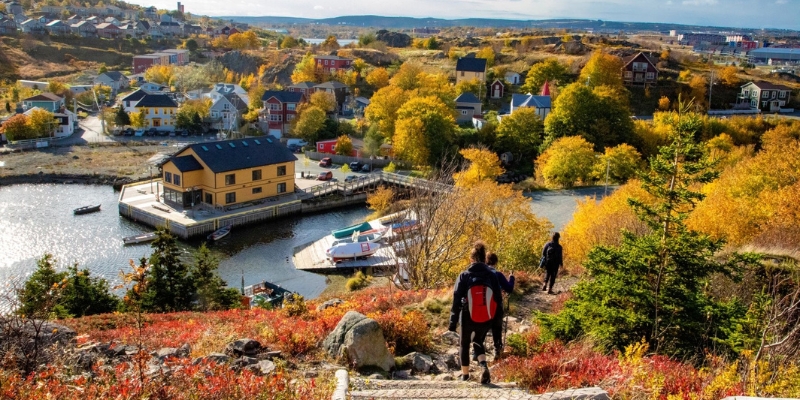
[212, 293]
[122, 118]
[653, 286]
[169, 285]
[39, 296]
[86, 295]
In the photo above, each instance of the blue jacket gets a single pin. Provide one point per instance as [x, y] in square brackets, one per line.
[506, 284]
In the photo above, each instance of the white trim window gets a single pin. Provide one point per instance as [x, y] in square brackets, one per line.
[765, 94]
[651, 75]
[628, 74]
[274, 107]
[782, 94]
[275, 117]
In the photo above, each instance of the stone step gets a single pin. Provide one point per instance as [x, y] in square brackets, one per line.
[378, 389]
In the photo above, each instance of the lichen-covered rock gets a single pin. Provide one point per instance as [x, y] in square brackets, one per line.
[359, 342]
[419, 362]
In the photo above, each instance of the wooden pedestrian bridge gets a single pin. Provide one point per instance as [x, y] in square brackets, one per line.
[369, 182]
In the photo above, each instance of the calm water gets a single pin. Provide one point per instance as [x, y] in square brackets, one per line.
[559, 205]
[342, 42]
[37, 218]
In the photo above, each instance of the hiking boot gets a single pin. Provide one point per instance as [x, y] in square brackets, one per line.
[544, 288]
[498, 352]
[485, 378]
[551, 291]
[465, 377]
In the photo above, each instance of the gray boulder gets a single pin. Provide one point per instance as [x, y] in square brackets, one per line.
[330, 303]
[419, 362]
[218, 358]
[359, 341]
[243, 347]
[451, 338]
[263, 367]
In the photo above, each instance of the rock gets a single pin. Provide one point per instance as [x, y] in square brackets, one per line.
[75, 157]
[523, 328]
[243, 362]
[511, 319]
[440, 366]
[451, 359]
[27, 335]
[84, 360]
[450, 338]
[310, 374]
[263, 367]
[376, 376]
[393, 39]
[330, 303]
[271, 355]
[444, 377]
[402, 374]
[419, 362]
[167, 353]
[218, 358]
[359, 341]
[243, 347]
[185, 350]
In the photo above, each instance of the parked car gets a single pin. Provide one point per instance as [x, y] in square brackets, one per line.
[325, 176]
[162, 133]
[128, 132]
[325, 162]
[350, 178]
[355, 166]
[184, 133]
[140, 132]
[366, 168]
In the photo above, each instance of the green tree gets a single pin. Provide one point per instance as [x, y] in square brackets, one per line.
[520, 133]
[8, 106]
[568, 160]
[373, 141]
[122, 118]
[169, 286]
[601, 120]
[366, 39]
[655, 286]
[212, 291]
[42, 290]
[309, 123]
[191, 45]
[549, 70]
[103, 69]
[289, 42]
[84, 294]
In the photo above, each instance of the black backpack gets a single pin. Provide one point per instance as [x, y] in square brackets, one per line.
[548, 256]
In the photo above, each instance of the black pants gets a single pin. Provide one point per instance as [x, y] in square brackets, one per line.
[550, 276]
[473, 334]
[497, 330]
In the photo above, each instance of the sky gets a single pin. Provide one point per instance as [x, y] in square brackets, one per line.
[783, 14]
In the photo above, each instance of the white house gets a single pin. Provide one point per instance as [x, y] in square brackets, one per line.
[227, 111]
[113, 79]
[152, 87]
[512, 78]
[63, 122]
[129, 102]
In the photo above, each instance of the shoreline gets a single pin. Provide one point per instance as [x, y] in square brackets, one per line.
[78, 179]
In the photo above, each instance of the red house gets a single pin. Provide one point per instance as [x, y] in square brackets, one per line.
[280, 108]
[496, 89]
[329, 147]
[331, 64]
[639, 70]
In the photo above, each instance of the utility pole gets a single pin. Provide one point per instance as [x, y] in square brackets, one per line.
[710, 86]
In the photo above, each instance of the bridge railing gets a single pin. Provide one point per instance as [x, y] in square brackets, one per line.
[373, 180]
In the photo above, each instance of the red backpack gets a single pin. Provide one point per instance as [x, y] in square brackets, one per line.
[481, 304]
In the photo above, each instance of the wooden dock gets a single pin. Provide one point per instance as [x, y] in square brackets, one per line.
[312, 256]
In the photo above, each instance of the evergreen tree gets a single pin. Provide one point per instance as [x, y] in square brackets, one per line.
[122, 118]
[654, 286]
[40, 293]
[197, 123]
[212, 293]
[8, 107]
[169, 285]
[86, 295]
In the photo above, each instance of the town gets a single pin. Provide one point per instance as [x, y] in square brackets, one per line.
[237, 207]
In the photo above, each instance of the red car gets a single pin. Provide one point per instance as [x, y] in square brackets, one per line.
[325, 162]
[325, 176]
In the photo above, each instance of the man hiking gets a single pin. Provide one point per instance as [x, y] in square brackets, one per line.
[552, 259]
[507, 285]
[476, 299]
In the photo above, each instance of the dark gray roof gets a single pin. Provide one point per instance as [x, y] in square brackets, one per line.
[467, 98]
[283, 97]
[471, 64]
[303, 85]
[156, 100]
[235, 154]
[529, 100]
[332, 85]
[236, 100]
[115, 76]
[186, 163]
[137, 95]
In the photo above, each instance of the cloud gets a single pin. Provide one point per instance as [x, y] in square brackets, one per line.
[318, 7]
[700, 2]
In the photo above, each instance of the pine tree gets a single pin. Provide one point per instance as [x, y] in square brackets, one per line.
[653, 286]
[169, 285]
[8, 107]
[122, 118]
[212, 293]
[39, 296]
[86, 295]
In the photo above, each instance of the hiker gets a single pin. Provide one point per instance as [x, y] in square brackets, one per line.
[507, 285]
[476, 299]
[552, 259]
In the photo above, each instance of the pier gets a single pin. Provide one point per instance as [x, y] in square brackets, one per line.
[143, 202]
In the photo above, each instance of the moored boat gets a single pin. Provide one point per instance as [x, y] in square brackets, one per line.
[219, 233]
[358, 237]
[86, 209]
[145, 237]
[346, 232]
[348, 251]
[266, 292]
[405, 226]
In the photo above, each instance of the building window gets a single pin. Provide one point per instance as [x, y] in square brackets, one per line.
[463, 112]
[257, 175]
[257, 190]
[628, 74]
[168, 177]
[746, 93]
[209, 199]
[462, 73]
[274, 107]
[230, 198]
[155, 111]
[651, 75]
[176, 180]
[282, 170]
[291, 107]
[290, 117]
[281, 188]
[765, 94]
[763, 103]
[782, 95]
[275, 117]
[782, 103]
[226, 107]
[230, 179]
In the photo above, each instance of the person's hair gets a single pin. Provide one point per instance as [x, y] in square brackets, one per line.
[556, 236]
[478, 252]
[491, 258]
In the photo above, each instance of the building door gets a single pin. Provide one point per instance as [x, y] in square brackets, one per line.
[497, 93]
[774, 106]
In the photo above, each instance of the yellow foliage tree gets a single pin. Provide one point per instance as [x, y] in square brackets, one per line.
[729, 76]
[663, 103]
[602, 69]
[344, 146]
[381, 199]
[409, 141]
[567, 161]
[699, 86]
[305, 70]
[161, 74]
[618, 164]
[484, 165]
[684, 75]
[406, 77]
[324, 100]
[469, 86]
[383, 107]
[378, 78]
[42, 123]
[425, 128]
[138, 119]
[488, 54]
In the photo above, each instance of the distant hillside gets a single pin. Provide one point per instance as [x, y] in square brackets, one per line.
[408, 23]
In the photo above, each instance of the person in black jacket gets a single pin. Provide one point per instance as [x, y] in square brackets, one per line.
[473, 333]
[553, 257]
[508, 286]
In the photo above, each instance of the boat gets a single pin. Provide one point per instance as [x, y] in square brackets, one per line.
[405, 226]
[360, 238]
[346, 232]
[219, 233]
[349, 251]
[392, 218]
[144, 237]
[86, 209]
[266, 293]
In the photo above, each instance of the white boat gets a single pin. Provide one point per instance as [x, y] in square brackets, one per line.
[348, 251]
[373, 236]
[219, 233]
[145, 237]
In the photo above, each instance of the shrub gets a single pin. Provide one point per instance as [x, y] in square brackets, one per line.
[390, 168]
[404, 332]
[346, 168]
[358, 282]
[295, 306]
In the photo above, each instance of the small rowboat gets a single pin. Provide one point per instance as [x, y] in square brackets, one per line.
[145, 237]
[86, 209]
[352, 251]
[347, 232]
[219, 233]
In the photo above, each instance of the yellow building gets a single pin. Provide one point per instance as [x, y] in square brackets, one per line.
[228, 172]
[468, 68]
[160, 111]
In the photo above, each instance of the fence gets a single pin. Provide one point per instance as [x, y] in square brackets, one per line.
[733, 112]
[337, 159]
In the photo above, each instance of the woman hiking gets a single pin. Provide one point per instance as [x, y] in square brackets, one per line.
[507, 285]
[476, 299]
